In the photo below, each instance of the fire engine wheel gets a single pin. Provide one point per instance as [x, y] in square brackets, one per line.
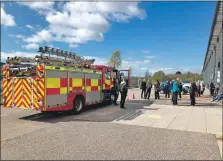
[78, 105]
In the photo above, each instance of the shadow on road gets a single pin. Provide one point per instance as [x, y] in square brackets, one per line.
[92, 113]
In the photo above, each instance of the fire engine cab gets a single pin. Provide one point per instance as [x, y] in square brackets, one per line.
[56, 80]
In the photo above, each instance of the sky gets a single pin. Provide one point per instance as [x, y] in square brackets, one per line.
[154, 36]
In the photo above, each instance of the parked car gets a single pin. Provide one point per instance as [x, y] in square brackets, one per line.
[162, 87]
[186, 88]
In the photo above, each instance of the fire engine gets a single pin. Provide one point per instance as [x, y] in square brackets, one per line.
[56, 80]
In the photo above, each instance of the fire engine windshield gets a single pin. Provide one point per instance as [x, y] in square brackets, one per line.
[108, 74]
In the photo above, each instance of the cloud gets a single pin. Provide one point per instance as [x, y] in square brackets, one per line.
[79, 22]
[29, 27]
[147, 61]
[16, 36]
[31, 46]
[7, 19]
[43, 8]
[4, 55]
[146, 51]
[163, 69]
[150, 57]
[99, 61]
[73, 45]
[39, 37]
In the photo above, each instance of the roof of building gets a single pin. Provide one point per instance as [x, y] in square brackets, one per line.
[216, 29]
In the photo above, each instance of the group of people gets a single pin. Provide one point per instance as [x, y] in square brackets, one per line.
[215, 92]
[175, 87]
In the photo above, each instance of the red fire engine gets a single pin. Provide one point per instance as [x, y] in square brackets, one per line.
[47, 83]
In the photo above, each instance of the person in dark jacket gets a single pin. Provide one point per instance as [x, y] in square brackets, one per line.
[167, 89]
[212, 87]
[124, 92]
[193, 89]
[115, 91]
[199, 89]
[143, 88]
[157, 89]
[180, 86]
[148, 89]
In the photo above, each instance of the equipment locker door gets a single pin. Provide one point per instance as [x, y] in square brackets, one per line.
[22, 92]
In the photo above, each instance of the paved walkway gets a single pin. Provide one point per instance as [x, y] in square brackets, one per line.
[205, 117]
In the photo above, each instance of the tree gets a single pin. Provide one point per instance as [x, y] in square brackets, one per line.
[115, 59]
[160, 75]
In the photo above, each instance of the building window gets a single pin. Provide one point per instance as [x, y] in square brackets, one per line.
[219, 64]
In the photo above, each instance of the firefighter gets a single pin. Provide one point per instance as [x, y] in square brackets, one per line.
[124, 92]
[115, 91]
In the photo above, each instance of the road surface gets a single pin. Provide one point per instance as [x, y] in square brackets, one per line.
[93, 135]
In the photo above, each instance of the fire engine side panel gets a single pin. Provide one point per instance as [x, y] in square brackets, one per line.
[56, 88]
[93, 88]
[76, 81]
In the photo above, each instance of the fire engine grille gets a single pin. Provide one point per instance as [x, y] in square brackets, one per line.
[132, 115]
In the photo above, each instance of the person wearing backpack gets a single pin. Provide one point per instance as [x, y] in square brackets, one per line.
[124, 92]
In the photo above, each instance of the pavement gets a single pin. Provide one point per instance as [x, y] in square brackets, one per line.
[145, 130]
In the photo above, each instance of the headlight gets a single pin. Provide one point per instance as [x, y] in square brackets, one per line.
[3, 100]
[41, 103]
[42, 74]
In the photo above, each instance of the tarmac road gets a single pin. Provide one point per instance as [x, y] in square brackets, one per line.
[91, 135]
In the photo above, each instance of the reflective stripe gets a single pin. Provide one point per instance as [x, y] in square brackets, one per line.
[77, 82]
[63, 90]
[71, 69]
[94, 82]
[52, 82]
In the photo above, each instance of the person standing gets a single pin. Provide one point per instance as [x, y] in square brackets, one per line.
[212, 87]
[175, 91]
[192, 93]
[143, 88]
[148, 90]
[115, 91]
[157, 89]
[202, 88]
[124, 92]
[199, 89]
[167, 89]
[180, 86]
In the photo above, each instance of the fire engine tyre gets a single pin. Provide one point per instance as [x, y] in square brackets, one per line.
[78, 105]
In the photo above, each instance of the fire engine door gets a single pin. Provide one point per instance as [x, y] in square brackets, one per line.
[22, 92]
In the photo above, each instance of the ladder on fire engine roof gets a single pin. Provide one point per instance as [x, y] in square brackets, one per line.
[67, 59]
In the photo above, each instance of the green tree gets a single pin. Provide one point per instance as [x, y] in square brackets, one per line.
[160, 75]
[115, 59]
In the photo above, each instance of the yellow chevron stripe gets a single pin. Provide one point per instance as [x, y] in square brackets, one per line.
[17, 91]
[18, 97]
[9, 103]
[26, 101]
[41, 84]
[26, 105]
[18, 103]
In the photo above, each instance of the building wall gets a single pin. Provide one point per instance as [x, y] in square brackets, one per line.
[213, 72]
